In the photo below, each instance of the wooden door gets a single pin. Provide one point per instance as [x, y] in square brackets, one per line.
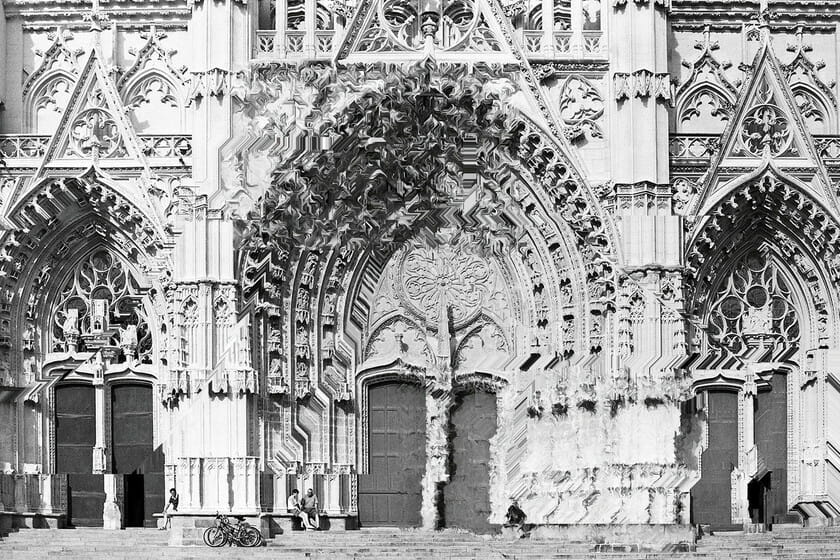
[133, 453]
[711, 501]
[75, 428]
[771, 441]
[75, 436]
[390, 492]
[467, 494]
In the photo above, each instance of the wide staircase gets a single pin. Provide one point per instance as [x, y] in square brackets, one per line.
[381, 544]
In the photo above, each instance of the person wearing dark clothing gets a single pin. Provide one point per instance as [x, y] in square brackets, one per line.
[515, 519]
[171, 506]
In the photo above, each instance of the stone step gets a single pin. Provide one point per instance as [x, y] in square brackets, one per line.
[149, 544]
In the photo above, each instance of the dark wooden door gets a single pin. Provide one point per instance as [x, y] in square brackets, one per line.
[75, 436]
[390, 494]
[771, 441]
[85, 499]
[711, 501]
[467, 494]
[133, 453]
[75, 428]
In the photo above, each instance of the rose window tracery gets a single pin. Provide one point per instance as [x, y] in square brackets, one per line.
[766, 128]
[754, 303]
[94, 132]
[100, 295]
[445, 277]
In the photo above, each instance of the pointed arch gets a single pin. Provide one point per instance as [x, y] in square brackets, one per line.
[769, 207]
[46, 101]
[709, 104]
[817, 111]
[156, 102]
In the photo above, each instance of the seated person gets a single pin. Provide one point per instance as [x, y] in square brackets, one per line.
[293, 505]
[171, 506]
[309, 506]
[515, 518]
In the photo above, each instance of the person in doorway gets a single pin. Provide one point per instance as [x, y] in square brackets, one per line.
[515, 519]
[309, 506]
[293, 505]
[171, 506]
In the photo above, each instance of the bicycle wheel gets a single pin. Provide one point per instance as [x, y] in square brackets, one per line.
[215, 537]
[250, 536]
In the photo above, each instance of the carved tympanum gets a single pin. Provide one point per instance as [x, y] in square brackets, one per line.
[460, 279]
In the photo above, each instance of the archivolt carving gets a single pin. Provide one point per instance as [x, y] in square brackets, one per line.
[768, 208]
[557, 182]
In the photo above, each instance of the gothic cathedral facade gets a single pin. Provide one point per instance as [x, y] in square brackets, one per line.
[425, 257]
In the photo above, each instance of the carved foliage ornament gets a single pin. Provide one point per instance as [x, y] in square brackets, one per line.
[765, 128]
[94, 132]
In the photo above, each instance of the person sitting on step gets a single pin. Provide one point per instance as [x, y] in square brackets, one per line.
[515, 519]
[309, 506]
[293, 506]
[171, 506]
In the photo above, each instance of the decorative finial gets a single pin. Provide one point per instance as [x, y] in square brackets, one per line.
[763, 19]
[96, 16]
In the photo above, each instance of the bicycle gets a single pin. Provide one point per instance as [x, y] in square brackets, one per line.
[223, 532]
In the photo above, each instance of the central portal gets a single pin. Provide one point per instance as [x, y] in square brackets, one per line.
[390, 494]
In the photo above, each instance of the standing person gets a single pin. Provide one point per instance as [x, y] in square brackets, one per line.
[309, 506]
[171, 506]
[293, 505]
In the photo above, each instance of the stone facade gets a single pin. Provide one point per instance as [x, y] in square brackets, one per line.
[612, 215]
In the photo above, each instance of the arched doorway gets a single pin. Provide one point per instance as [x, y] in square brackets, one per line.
[752, 325]
[467, 494]
[390, 491]
[133, 454]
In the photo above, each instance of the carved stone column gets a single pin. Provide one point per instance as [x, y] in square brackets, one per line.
[100, 461]
[438, 406]
[112, 515]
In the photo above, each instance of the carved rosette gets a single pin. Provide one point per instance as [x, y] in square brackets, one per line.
[94, 133]
[444, 276]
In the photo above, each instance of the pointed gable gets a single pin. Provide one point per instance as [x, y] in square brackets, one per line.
[458, 31]
[94, 126]
[767, 127]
